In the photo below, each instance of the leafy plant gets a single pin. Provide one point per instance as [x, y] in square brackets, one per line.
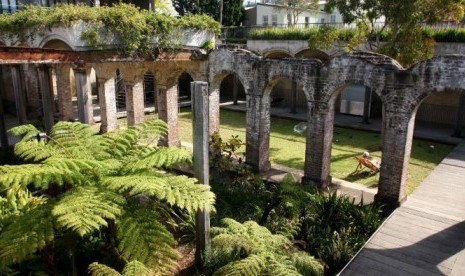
[78, 185]
[334, 228]
[251, 249]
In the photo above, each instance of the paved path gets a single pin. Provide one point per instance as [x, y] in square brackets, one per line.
[426, 235]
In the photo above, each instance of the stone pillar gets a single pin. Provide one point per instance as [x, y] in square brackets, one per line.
[84, 96]
[460, 117]
[294, 97]
[214, 110]
[64, 95]
[3, 134]
[200, 121]
[167, 100]
[397, 143]
[20, 97]
[258, 132]
[235, 88]
[135, 102]
[46, 95]
[320, 120]
[367, 105]
[107, 100]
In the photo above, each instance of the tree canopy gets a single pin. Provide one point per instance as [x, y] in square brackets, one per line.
[394, 27]
[232, 9]
[296, 7]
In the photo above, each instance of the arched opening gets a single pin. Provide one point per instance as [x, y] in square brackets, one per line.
[355, 122]
[277, 54]
[185, 112]
[287, 99]
[120, 93]
[57, 44]
[94, 92]
[313, 54]
[149, 92]
[231, 91]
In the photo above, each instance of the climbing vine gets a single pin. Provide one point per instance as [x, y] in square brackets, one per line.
[124, 26]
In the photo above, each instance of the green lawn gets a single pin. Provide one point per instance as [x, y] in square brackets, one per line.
[288, 148]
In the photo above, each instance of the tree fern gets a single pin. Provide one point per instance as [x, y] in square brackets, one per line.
[260, 252]
[144, 238]
[27, 132]
[161, 158]
[85, 209]
[29, 233]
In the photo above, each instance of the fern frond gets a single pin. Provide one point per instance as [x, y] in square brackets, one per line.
[82, 166]
[85, 209]
[27, 131]
[97, 269]
[161, 158]
[252, 265]
[119, 143]
[33, 150]
[39, 175]
[179, 191]
[135, 268]
[279, 265]
[152, 130]
[306, 264]
[27, 234]
[144, 238]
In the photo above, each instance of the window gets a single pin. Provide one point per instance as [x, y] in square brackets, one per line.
[322, 21]
[265, 20]
[274, 20]
[289, 19]
[307, 21]
[333, 18]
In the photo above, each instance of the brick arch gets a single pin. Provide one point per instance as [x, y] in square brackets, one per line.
[275, 79]
[277, 54]
[56, 42]
[310, 53]
[219, 76]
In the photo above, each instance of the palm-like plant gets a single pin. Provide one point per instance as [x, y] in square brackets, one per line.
[78, 183]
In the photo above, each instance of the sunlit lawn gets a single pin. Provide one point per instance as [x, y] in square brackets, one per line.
[288, 148]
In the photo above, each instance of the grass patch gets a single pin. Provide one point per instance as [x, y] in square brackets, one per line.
[288, 148]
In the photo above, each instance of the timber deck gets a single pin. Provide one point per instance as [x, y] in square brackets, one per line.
[426, 235]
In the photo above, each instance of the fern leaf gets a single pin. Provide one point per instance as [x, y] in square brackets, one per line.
[27, 131]
[176, 190]
[161, 158]
[135, 268]
[33, 150]
[252, 265]
[81, 166]
[97, 269]
[144, 238]
[37, 174]
[29, 233]
[85, 209]
[306, 264]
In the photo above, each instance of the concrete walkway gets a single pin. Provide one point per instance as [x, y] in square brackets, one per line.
[426, 235]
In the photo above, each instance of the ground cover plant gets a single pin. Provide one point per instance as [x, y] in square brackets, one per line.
[85, 199]
[288, 148]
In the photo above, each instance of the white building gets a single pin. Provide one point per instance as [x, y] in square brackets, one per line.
[267, 13]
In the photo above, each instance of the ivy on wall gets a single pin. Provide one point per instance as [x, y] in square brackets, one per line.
[123, 26]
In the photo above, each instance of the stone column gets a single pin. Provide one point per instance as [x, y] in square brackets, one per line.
[320, 121]
[167, 103]
[3, 134]
[367, 105]
[46, 95]
[20, 97]
[107, 100]
[397, 144]
[258, 132]
[135, 102]
[64, 95]
[214, 110]
[460, 117]
[84, 96]
[294, 97]
[200, 121]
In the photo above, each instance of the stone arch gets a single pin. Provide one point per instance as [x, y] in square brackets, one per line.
[55, 42]
[219, 76]
[184, 86]
[120, 91]
[313, 53]
[277, 54]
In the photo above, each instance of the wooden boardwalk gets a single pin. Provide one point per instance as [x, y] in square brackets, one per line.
[426, 235]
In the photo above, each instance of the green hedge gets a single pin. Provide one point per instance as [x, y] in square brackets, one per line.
[439, 35]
